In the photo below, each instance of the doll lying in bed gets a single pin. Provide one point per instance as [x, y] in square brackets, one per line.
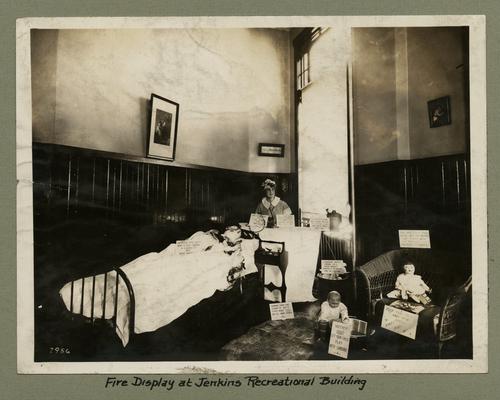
[233, 242]
[230, 242]
[409, 285]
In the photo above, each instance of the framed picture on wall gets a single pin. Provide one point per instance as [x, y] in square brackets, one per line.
[439, 112]
[271, 150]
[163, 128]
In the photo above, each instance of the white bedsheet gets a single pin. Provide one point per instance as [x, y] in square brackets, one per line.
[165, 285]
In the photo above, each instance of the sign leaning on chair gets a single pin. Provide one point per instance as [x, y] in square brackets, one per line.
[400, 321]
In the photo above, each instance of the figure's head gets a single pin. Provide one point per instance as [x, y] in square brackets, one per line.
[409, 268]
[269, 187]
[334, 299]
[232, 234]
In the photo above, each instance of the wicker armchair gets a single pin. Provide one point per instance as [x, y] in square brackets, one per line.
[443, 272]
[449, 316]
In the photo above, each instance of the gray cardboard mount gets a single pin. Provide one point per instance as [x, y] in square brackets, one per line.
[406, 386]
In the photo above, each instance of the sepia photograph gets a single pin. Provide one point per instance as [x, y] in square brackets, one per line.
[439, 112]
[163, 128]
[252, 195]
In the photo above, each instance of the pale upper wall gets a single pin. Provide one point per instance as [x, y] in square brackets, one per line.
[43, 83]
[395, 73]
[92, 89]
[436, 60]
[374, 95]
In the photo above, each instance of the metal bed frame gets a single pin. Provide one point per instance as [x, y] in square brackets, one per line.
[119, 274]
[93, 317]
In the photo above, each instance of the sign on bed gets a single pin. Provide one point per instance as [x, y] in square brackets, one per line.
[188, 246]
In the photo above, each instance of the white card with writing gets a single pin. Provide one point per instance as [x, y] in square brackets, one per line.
[320, 223]
[285, 221]
[188, 246]
[400, 321]
[333, 267]
[281, 311]
[339, 339]
[416, 239]
[257, 220]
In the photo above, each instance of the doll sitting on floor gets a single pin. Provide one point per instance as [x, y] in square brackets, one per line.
[409, 285]
[333, 309]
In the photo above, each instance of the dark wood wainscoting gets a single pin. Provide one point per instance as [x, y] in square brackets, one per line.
[431, 193]
[95, 210]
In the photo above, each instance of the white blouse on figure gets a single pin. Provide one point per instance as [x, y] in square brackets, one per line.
[329, 313]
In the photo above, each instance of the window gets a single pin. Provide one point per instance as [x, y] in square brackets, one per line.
[303, 75]
[302, 46]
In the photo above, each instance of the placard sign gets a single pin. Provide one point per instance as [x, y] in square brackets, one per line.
[416, 239]
[258, 222]
[336, 267]
[285, 221]
[339, 339]
[320, 223]
[281, 311]
[188, 246]
[400, 321]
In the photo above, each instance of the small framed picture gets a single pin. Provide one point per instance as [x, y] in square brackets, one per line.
[271, 150]
[439, 112]
[163, 128]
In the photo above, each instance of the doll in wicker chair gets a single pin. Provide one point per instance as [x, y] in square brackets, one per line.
[410, 286]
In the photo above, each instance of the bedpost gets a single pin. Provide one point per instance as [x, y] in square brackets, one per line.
[104, 299]
[130, 290]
